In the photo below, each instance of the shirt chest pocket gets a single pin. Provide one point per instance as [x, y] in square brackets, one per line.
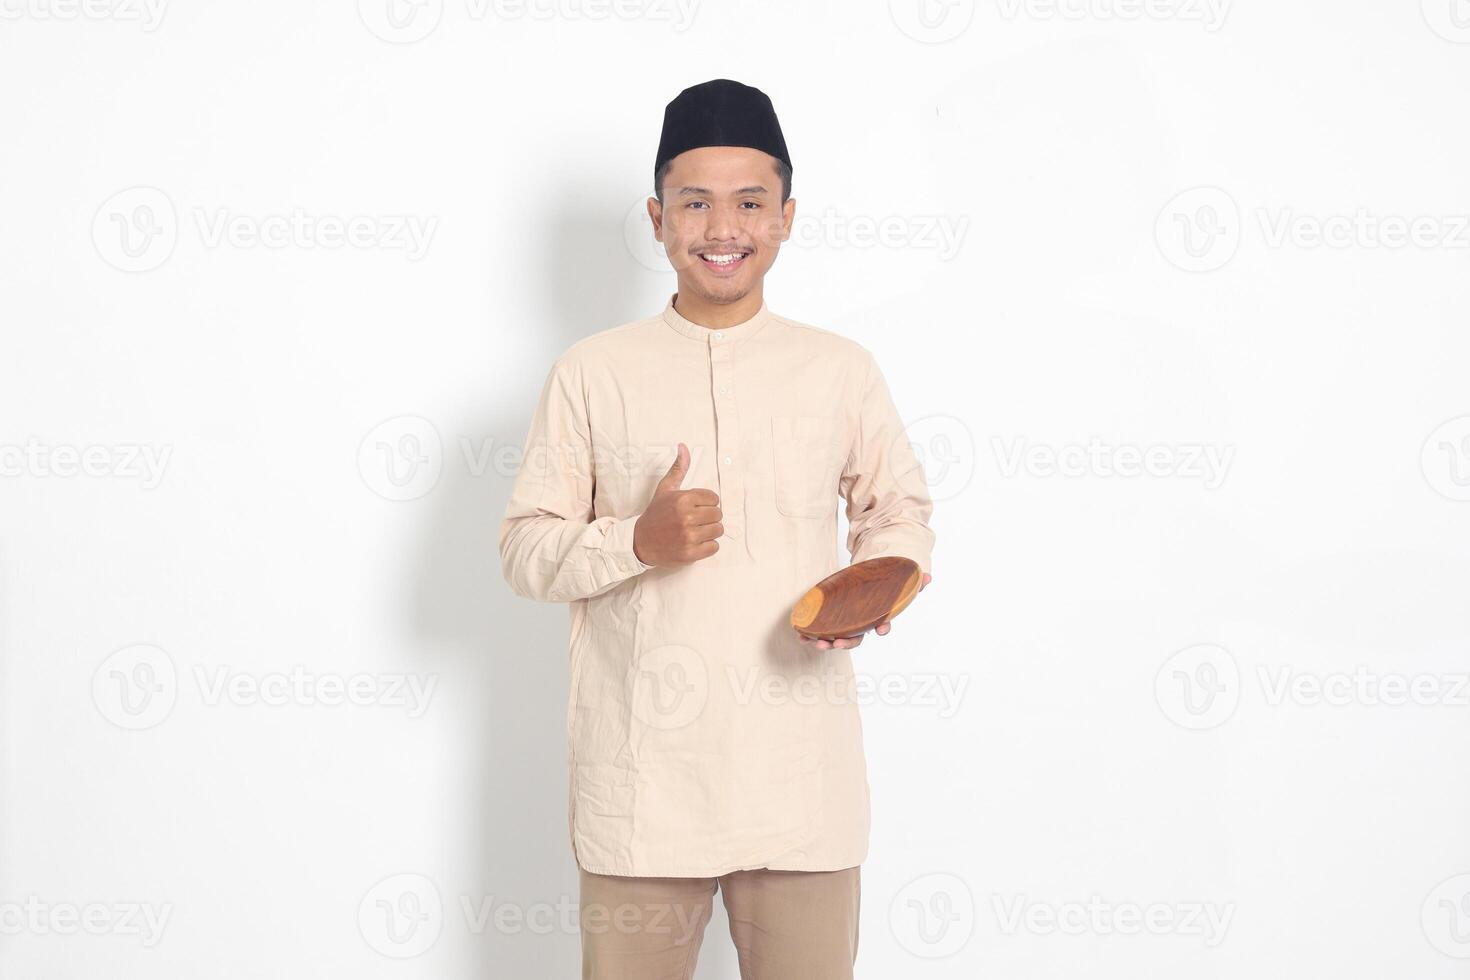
[805, 459]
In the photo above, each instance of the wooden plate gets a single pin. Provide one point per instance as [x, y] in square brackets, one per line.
[852, 601]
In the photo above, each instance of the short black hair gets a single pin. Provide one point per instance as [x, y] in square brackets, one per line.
[782, 170]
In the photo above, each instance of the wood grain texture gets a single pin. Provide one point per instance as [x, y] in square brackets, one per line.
[852, 601]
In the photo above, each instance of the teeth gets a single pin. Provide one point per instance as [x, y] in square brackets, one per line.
[724, 259]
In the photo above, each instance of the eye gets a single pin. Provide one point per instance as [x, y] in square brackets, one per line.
[753, 204]
[696, 204]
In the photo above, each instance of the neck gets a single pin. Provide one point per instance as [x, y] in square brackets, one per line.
[715, 315]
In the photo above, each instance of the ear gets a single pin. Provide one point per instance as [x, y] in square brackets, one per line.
[788, 215]
[656, 215]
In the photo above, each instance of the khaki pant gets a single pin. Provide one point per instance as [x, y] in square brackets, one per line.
[787, 925]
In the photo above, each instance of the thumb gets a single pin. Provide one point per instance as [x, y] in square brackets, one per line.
[675, 476]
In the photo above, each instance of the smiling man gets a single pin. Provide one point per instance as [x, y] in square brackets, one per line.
[679, 490]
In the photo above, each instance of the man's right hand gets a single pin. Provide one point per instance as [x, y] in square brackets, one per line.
[678, 527]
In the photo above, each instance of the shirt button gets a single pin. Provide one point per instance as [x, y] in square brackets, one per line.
[727, 459]
[719, 335]
[724, 390]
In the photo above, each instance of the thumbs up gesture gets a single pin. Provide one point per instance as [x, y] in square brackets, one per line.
[678, 527]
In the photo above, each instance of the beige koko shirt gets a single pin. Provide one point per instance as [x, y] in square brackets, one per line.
[703, 736]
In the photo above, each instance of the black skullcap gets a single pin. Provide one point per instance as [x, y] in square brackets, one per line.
[720, 113]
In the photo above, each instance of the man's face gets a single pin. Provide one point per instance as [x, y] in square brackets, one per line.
[722, 221]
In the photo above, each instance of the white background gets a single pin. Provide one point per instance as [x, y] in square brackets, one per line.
[1136, 730]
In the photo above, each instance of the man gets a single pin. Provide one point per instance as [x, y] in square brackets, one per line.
[710, 746]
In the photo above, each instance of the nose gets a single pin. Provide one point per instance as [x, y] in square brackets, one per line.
[724, 225]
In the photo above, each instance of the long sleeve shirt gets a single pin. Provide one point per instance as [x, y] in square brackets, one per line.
[703, 736]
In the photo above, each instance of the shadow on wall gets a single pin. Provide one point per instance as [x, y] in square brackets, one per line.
[513, 652]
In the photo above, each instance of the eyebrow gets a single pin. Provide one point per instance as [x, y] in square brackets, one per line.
[684, 191]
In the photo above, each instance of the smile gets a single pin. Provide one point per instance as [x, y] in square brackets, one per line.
[723, 262]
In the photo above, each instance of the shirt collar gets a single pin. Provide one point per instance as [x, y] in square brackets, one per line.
[715, 335]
